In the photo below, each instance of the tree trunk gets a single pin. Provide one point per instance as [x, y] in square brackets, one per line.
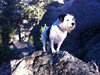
[5, 36]
[19, 33]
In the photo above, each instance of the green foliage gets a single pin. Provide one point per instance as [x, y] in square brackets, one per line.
[31, 40]
[13, 31]
[42, 29]
[33, 12]
[7, 18]
[36, 13]
[14, 13]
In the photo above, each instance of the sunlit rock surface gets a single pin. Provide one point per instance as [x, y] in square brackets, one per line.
[39, 63]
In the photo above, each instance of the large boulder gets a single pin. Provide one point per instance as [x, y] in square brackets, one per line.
[86, 12]
[39, 63]
[53, 10]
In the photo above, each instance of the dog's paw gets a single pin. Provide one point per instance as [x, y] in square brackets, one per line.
[53, 51]
[58, 52]
[44, 53]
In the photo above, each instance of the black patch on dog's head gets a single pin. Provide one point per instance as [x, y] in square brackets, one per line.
[61, 17]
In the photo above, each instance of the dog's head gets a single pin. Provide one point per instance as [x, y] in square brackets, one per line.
[67, 22]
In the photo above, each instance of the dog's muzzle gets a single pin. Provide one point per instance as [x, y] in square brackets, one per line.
[69, 29]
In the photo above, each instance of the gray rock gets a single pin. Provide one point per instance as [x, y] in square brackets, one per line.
[53, 10]
[40, 63]
[61, 64]
[79, 8]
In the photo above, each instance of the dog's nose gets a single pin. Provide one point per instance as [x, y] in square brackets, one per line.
[73, 24]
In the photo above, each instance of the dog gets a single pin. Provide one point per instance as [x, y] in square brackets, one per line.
[57, 32]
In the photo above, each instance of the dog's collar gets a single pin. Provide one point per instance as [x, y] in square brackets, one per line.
[60, 28]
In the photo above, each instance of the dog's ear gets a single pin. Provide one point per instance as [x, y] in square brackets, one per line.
[61, 17]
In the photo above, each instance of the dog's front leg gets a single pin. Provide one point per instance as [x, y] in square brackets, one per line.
[58, 46]
[44, 44]
[48, 46]
[52, 46]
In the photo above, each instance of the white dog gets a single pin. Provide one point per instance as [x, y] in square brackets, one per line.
[56, 33]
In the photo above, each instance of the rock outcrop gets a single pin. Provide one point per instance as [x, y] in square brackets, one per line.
[39, 63]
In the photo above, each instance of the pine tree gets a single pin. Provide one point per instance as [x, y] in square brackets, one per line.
[7, 19]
